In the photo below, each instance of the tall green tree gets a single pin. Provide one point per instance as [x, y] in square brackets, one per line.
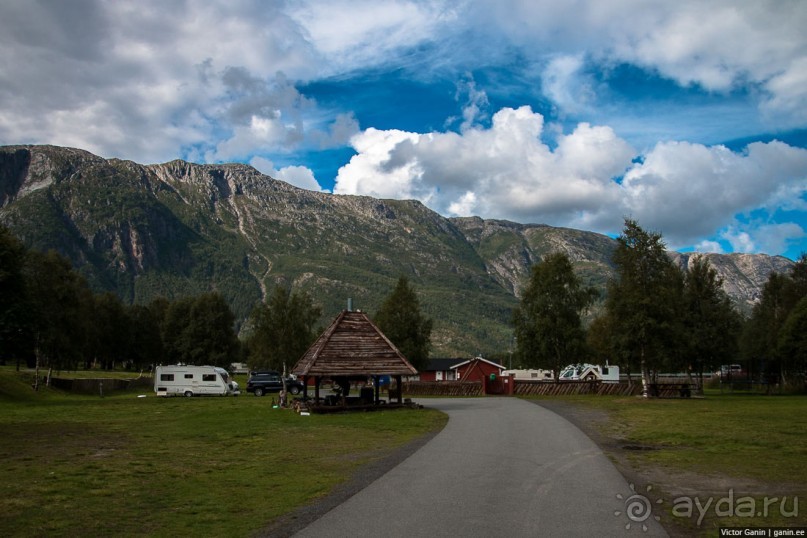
[112, 330]
[548, 328]
[59, 302]
[796, 284]
[13, 311]
[599, 342]
[645, 302]
[793, 344]
[711, 322]
[200, 330]
[147, 345]
[282, 329]
[760, 337]
[400, 319]
[763, 340]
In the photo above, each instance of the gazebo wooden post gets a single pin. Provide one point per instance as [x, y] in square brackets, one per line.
[316, 389]
[400, 388]
[377, 389]
[305, 388]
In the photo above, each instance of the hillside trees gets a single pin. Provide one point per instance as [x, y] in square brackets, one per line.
[282, 329]
[547, 322]
[49, 313]
[400, 319]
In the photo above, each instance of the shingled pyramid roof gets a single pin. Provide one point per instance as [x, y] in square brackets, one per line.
[352, 345]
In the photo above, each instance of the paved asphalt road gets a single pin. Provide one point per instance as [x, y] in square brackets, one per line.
[501, 467]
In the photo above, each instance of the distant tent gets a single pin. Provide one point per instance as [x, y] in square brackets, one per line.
[353, 346]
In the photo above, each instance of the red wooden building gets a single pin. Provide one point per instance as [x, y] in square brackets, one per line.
[438, 370]
[477, 369]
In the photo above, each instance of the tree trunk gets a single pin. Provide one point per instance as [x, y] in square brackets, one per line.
[645, 376]
[36, 368]
[284, 393]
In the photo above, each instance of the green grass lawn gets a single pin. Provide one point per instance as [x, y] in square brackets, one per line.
[754, 436]
[707, 446]
[124, 466]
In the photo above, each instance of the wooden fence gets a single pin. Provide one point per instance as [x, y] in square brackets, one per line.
[544, 388]
[443, 388]
[523, 387]
[100, 386]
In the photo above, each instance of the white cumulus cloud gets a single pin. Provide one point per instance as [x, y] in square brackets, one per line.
[504, 171]
[590, 180]
[299, 176]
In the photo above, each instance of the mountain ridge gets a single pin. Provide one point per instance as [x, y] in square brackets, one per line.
[179, 228]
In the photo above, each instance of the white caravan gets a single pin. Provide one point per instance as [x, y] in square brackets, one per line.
[192, 381]
[530, 375]
[590, 372]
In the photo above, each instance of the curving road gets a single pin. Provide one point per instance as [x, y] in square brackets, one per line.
[501, 467]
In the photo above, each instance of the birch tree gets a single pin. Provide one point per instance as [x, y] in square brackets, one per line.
[645, 301]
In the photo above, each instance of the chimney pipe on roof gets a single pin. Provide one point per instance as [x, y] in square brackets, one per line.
[349, 304]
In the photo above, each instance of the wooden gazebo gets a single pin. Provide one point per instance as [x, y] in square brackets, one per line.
[352, 347]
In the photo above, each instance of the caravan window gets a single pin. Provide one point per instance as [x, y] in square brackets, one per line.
[166, 377]
[188, 376]
[208, 377]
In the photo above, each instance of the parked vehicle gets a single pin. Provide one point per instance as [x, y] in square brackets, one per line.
[590, 372]
[189, 381]
[731, 371]
[239, 368]
[261, 382]
[531, 374]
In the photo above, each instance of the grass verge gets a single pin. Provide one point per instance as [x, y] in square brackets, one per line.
[722, 461]
[129, 466]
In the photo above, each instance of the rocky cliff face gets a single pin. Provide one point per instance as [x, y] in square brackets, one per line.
[179, 228]
[743, 275]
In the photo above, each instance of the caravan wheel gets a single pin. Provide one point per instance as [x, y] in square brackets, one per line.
[188, 394]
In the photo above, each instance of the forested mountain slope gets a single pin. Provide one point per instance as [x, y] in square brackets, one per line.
[178, 229]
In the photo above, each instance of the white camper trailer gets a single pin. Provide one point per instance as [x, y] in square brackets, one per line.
[590, 372]
[186, 380]
[530, 375]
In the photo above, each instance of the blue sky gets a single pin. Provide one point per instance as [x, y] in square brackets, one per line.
[688, 116]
